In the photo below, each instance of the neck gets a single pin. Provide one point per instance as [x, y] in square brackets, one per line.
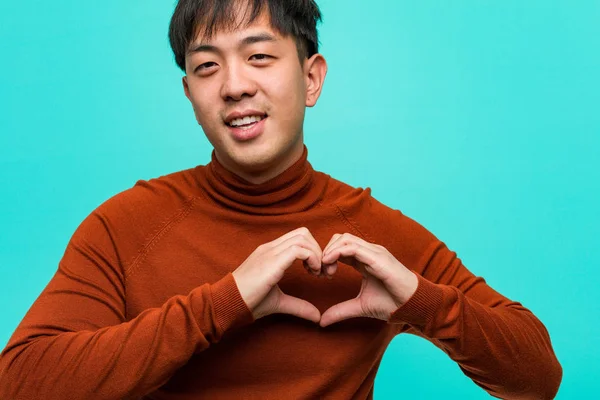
[296, 189]
[261, 173]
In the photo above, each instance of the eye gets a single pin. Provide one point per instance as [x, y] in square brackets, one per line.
[205, 67]
[260, 57]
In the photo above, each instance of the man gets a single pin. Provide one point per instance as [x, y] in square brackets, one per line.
[208, 282]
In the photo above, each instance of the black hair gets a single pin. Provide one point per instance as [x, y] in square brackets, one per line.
[297, 18]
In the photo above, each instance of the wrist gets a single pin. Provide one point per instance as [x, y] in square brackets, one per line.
[408, 289]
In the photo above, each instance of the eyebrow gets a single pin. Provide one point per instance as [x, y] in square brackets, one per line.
[248, 40]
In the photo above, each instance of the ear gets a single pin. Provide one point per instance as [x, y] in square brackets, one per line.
[315, 69]
[186, 87]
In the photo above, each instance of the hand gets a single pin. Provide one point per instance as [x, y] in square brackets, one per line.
[386, 285]
[257, 277]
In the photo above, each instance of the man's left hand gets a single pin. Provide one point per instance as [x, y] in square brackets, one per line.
[386, 285]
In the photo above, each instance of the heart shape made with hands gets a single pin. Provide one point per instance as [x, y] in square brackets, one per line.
[387, 284]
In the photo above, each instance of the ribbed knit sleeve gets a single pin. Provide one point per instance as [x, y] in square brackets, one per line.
[75, 342]
[498, 343]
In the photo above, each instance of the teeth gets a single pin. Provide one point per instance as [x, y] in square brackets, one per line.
[246, 120]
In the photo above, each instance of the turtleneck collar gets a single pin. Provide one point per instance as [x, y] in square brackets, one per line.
[296, 189]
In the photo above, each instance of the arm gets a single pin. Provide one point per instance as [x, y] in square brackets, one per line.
[76, 343]
[496, 342]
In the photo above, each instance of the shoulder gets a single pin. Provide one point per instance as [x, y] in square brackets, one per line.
[338, 193]
[356, 203]
[379, 223]
[153, 199]
[126, 222]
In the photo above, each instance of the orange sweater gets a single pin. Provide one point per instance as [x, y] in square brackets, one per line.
[143, 303]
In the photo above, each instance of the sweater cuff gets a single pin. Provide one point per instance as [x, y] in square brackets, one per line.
[231, 311]
[422, 306]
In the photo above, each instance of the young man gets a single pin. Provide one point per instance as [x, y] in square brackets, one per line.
[208, 282]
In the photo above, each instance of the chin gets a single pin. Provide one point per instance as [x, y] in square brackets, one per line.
[257, 155]
[257, 160]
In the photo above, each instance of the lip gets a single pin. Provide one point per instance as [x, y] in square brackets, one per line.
[242, 114]
[242, 135]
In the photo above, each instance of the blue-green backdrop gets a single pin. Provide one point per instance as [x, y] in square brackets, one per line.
[479, 119]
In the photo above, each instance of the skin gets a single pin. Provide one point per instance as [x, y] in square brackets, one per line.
[266, 76]
[227, 73]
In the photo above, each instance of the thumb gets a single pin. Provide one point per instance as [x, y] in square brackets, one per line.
[342, 311]
[298, 307]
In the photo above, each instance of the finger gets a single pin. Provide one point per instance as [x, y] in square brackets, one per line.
[330, 269]
[299, 231]
[297, 252]
[310, 259]
[306, 237]
[339, 240]
[310, 269]
[351, 249]
[326, 272]
[342, 311]
[299, 240]
[373, 261]
[298, 307]
[315, 245]
[333, 239]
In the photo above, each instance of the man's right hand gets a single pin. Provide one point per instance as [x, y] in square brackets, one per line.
[259, 274]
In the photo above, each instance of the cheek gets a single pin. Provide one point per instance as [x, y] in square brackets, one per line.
[288, 92]
[204, 109]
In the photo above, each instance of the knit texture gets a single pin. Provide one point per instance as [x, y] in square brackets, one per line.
[144, 304]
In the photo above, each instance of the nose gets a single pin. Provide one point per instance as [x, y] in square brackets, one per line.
[238, 84]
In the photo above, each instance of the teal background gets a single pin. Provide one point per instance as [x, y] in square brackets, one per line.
[479, 119]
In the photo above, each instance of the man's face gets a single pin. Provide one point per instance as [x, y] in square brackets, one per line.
[249, 91]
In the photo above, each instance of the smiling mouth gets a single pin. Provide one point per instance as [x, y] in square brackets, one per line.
[245, 122]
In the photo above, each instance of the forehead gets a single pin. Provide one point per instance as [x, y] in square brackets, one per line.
[237, 22]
